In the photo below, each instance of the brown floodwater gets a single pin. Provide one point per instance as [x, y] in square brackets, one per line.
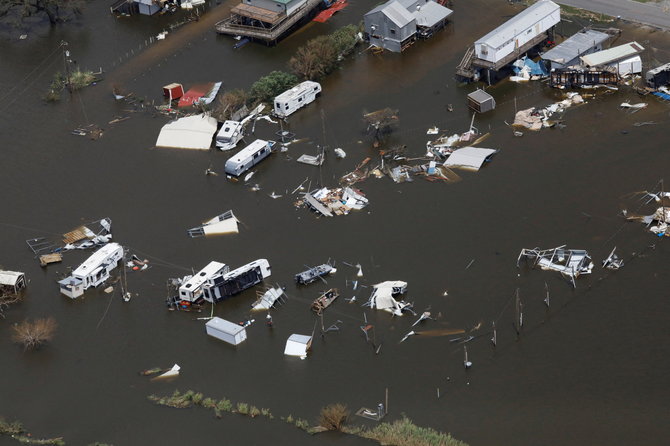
[590, 369]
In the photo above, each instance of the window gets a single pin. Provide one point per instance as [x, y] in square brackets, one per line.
[392, 31]
[299, 99]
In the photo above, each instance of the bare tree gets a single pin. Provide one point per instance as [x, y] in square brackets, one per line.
[33, 334]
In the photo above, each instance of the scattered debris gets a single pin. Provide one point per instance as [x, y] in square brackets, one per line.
[226, 331]
[382, 297]
[312, 160]
[339, 153]
[535, 119]
[433, 131]
[225, 223]
[322, 302]
[612, 261]
[338, 201]
[46, 259]
[466, 362]
[425, 315]
[632, 108]
[172, 373]
[92, 130]
[570, 263]
[268, 298]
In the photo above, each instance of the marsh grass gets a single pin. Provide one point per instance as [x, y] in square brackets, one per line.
[403, 432]
[15, 430]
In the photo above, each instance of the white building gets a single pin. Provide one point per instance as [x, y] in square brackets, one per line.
[226, 331]
[624, 58]
[94, 271]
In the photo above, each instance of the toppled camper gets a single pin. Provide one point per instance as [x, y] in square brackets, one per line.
[192, 287]
[228, 284]
[248, 157]
[382, 297]
[229, 135]
[226, 331]
[571, 263]
[297, 97]
[94, 271]
[314, 273]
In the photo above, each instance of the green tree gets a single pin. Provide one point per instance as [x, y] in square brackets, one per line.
[267, 87]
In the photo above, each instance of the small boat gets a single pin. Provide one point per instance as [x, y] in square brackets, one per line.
[322, 302]
[241, 43]
[314, 273]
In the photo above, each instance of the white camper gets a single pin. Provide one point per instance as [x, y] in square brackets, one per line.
[248, 157]
[94, 271]
[192, 288]
[295, 98]
[226, 331]
[224, 285]
[229, 135]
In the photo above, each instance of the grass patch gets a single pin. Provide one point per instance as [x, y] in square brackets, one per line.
[76, 81]
[15, 430]
[405, 433]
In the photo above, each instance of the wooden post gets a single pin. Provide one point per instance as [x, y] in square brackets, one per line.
[386, 405]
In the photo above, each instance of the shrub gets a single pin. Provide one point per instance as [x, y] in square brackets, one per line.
[224, 405]
[267, 87]
[242, 408]
[34, 334]
[405, 433]
[333, 416]
[254, 411]
[301, 423]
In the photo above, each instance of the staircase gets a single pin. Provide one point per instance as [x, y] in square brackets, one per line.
[464, 69]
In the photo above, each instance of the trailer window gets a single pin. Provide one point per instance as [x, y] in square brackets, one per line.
[299, 99]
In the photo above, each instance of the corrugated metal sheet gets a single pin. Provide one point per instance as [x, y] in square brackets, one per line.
[575, 46]
[430, 14]
[613, 54]
[519, 23]
[398, 14]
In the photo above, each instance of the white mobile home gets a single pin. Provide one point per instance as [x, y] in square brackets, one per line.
[295, 98]
[229, 135]
[230, 283]
[226, 331]
[192, 289]
[94, 271]
[248, 157]
[521, 29]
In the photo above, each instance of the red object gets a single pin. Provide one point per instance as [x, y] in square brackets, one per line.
[173, 91]
[194, 93]
[324, 15]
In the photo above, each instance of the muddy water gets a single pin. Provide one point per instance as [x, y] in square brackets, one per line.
[590, 369]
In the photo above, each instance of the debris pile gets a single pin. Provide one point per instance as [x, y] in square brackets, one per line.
[534, 118]
[338, 201]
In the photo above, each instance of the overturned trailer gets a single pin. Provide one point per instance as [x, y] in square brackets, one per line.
[571, 263]
[228, 284]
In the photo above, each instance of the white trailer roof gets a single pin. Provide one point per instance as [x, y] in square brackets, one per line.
[248, 151]
[297, 91]
[520, 22]
[575, 46]
[201, 277]
[96, 259]
[469, 157]
[224, 326]
[191, 132]
[612, 55]
[10, 278]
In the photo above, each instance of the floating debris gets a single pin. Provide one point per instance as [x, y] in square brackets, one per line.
[613, 261]
[172, 373]
[570, 263]
[325, 300]
[225, 223]
[268, 298]
[338, 201]
[535, 119]
[382, 297]
[339, 153]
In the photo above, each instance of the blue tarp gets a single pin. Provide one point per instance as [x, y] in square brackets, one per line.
[662, 95]
[535, 68]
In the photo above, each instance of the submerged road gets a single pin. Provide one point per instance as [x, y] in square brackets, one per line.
[651, 13]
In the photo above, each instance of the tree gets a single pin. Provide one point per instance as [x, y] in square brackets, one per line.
[55, 10]
[267, 87]
[229, 103]
[33, 334]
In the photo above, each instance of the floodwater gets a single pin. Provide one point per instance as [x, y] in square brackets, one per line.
[590, 369]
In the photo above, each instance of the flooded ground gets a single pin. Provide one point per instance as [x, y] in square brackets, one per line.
[590, 368]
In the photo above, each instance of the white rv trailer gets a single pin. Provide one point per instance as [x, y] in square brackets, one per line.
[248, 157]
[295, 98]
[518, 31]
[192, 288]
[229, 135]
[227, 284]
[226, 331]
[94, 271]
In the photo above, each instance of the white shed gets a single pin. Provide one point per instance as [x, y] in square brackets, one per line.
[298, 345]
[518, 31]
[191, 132]
[226, 331]
[12, 281]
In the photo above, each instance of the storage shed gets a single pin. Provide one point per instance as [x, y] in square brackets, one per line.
[173, 91]
[568, 52]
[298, 345]
[480, 101]
[226, 331]
[523, 28]
[11, 282]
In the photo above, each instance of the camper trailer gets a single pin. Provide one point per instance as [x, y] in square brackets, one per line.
[94, 271]
[225, 285]
[248, 157]
[191, 290]
[295, 98]
[226, 331]
[229, 135]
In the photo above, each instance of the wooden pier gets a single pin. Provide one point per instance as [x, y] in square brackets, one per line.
[262, 24]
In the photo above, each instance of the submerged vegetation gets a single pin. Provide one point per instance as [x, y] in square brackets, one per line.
[34, 334]
[75, 81]
[332, 418]
[15, 430]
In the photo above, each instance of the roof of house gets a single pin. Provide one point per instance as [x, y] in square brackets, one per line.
[613, 54]
[431, 13]
[402, 12]
[520, 22]
[575, 46]
[480, 96]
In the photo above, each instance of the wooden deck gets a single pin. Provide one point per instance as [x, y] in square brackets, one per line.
[260, 29]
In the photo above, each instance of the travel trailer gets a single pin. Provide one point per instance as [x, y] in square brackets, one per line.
[229, 135]
[236, 281]
[192, 287]
[295, 98]
[248, 157]
[94, 271]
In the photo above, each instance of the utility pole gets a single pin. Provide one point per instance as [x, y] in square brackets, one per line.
[66, 62]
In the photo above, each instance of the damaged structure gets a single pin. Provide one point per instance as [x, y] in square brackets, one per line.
[190, 132]
[225, 223]
[510, 40]
[568, 52]
[571, 263]
[226, 331]
[396, 24]
[338, 201]
[382, 297]
[624, 59]
[11, 283]
[93, 272]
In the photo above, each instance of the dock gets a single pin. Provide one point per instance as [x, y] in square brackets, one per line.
[317, 206]
[268, 26]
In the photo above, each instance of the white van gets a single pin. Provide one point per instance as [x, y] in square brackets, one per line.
[295, 98]
[248, 157]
